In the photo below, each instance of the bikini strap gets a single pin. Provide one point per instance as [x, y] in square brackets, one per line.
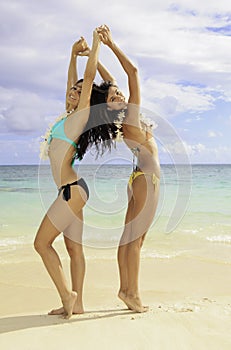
[67, 190]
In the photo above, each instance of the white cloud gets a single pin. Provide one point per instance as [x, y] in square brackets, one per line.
[200, 153]
[181, 49]
[25, 112]
[175, 98]
[228, 122]
[182, 147]
[194, 119]
[212, 133]
[195, 149]
[18, 151]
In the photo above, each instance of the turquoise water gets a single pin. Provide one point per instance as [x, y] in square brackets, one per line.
[194, 212]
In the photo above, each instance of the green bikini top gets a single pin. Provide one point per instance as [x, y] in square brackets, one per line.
[58, 132]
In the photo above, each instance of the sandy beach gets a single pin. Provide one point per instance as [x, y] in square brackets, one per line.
[189, 305]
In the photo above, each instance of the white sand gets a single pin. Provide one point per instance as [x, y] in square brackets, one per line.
[189, 300]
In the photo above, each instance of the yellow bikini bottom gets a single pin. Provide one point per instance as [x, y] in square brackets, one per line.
[136, 173]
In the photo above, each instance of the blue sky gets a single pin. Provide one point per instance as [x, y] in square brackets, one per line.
[182, 50]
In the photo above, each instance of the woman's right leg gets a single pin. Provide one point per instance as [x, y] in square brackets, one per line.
[123, 250]
[133, 299]
[77, 269]
[43, 244]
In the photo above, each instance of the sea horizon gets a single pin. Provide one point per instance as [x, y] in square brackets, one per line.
[202, 193]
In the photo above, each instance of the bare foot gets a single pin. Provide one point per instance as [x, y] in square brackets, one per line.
[77, 310]
[68, 304]
[134, 303]
[59, 311]
[122, 296]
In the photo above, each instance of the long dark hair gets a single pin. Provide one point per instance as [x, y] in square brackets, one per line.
[100, 129]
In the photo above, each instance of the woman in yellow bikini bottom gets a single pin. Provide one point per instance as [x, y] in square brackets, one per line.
[137, 172]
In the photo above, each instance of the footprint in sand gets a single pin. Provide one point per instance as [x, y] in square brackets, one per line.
[179, 307]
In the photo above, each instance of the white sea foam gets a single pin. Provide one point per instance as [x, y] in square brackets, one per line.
[220, 239]
[156, 255]
[193, 232]
[11, 242]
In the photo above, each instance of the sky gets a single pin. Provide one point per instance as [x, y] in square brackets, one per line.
[182, 50]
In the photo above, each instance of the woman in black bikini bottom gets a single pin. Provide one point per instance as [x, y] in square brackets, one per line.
[65, 214]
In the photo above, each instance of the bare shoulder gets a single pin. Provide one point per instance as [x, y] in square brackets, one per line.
[135, 133]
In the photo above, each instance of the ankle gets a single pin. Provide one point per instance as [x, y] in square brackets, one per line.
[133, 295]
[123, 291]
[67, 295]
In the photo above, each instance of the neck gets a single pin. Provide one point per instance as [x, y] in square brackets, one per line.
[69, 111]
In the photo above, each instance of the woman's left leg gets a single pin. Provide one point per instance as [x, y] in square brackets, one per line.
[145, 196]
[43, 245]
[60, 216]
[73, 241]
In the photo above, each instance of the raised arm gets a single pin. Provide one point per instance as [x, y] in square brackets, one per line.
[77, 121]
[105, 74]
[89, 73]
[79, 48]
[128, 66]
[131, 124]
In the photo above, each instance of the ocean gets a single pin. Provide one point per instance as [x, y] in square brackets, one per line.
[193, 216]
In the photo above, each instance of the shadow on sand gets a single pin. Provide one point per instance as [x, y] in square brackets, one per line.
[15, 323]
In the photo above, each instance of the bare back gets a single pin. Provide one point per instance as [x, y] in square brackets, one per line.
[143, 145]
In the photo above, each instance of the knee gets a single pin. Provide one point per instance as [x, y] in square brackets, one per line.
[137, 244]
[39, 246]
[74, 252]
[134, 246]
[71, 251]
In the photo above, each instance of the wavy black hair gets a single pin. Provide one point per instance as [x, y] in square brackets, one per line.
[78, 81]
[101, 129]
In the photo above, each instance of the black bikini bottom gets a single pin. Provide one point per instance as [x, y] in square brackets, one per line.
[67, 189]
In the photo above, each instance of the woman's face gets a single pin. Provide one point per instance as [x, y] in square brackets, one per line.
[115, 99]
[74, 95]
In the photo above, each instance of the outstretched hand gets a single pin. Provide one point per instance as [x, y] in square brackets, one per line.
[104, 34]
[86, 52]
[80, 47]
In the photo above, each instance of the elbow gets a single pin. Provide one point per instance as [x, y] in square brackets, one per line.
[134, 70]
[112, 80]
